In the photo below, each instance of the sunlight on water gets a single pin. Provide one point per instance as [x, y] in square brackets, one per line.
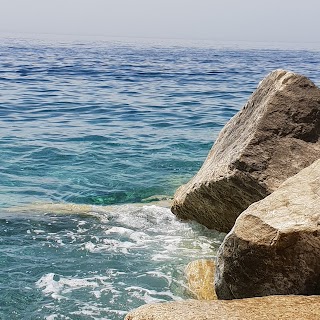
[93, 136]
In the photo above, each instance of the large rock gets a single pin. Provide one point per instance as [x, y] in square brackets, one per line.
[274, 246]
[274, 136]
[200, 276]
[267, 308]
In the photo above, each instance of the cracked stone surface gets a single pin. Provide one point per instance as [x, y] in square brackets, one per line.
[266, 308]
[273, 137]
[274, 246]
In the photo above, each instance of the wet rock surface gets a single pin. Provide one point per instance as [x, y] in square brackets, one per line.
[200, 276]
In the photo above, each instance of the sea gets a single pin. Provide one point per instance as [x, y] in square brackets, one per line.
[95, 137]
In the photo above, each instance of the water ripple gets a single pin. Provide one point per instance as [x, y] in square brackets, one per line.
[90, 125]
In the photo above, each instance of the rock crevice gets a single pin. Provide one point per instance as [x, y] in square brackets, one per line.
[274, 246]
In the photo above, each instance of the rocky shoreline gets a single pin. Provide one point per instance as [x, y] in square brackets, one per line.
[265, 308]
[261, 183]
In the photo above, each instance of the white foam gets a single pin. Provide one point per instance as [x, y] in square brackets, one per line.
[136, 236]
[49, 286]
[150, 228]
[150, 296]
[159, 274]
[38, 231]
[97, 294]
[149, 235]
[59, 289]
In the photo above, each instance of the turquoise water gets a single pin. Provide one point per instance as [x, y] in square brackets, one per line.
[110, 124]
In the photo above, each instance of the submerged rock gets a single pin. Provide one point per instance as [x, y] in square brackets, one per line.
[81, 209]
[274, 246]
[200, 276]
[271, 308]
[274, 136]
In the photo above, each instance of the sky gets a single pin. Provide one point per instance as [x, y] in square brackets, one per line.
[223, 20]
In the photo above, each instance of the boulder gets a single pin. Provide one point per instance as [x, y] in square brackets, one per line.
[273, 137]
[266, 308]
[200, 276]
[274, 246]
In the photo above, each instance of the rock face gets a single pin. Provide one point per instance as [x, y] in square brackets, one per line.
[266, 308]
[274, 136]
[200, 275]
[274, 246]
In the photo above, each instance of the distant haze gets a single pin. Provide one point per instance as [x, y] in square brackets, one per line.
[248, 20]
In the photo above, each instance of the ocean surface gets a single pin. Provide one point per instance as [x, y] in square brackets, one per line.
[93, 133]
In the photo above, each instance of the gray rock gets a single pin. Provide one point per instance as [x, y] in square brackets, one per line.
[274, 246]
[266, 308]
[274, 136]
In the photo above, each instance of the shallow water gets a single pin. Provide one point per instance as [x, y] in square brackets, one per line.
[110, 123]
[95, 266]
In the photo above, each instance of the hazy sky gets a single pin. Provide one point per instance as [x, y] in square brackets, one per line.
[251, 20]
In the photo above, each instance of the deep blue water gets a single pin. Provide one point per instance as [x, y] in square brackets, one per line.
[110, 124]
